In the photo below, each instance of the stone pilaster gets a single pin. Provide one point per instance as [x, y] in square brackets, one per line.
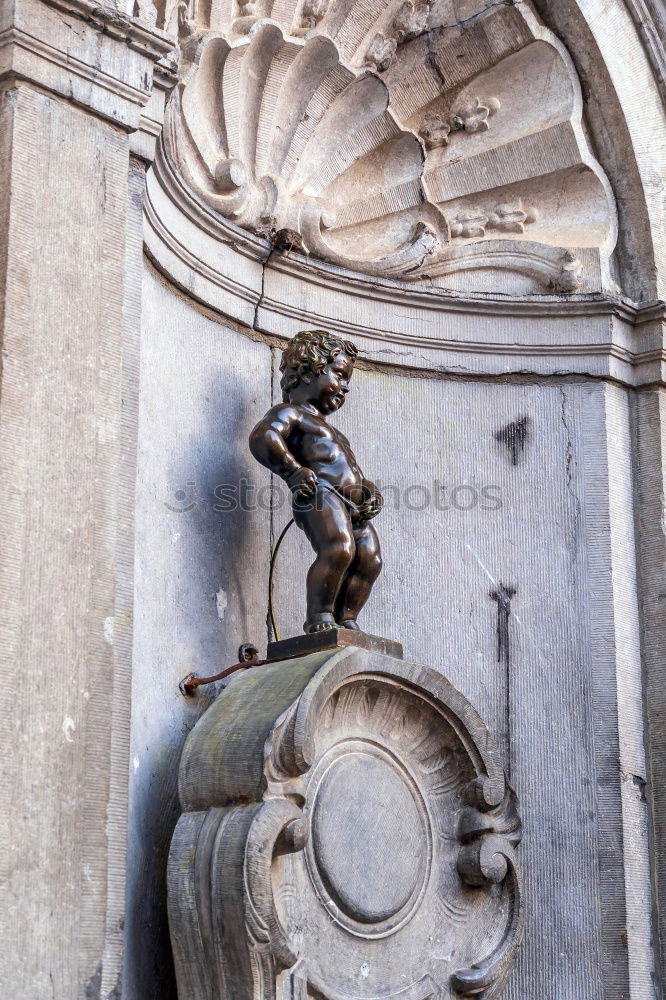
[75, 77]
[650, 423]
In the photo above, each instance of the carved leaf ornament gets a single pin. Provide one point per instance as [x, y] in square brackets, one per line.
[375, 129]
[347, 833]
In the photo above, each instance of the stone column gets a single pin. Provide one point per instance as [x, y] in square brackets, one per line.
[75, 78]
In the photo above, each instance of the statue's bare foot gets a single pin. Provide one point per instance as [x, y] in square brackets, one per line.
[319, 623]
[350, 623]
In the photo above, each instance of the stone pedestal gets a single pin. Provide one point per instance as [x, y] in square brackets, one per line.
[347, 831]
[333, 638]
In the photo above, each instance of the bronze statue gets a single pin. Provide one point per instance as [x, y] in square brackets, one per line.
[332, 501]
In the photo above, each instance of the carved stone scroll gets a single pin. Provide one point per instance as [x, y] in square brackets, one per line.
[347, 831]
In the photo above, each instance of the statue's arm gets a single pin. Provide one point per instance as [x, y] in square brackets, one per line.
[268, 441]
[268, 444]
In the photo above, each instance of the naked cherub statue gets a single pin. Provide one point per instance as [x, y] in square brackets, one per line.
[332, 501]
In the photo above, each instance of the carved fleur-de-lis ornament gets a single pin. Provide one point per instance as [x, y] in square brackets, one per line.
[411, 20]
[473, 115]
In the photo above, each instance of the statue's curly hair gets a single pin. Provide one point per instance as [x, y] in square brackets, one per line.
[307, 354]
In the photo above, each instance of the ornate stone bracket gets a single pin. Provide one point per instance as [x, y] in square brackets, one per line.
[347, 831]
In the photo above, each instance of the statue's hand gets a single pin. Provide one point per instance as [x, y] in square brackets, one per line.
[373, 501]
[302, 483]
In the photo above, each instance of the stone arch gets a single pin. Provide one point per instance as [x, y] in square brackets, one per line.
[624, 95]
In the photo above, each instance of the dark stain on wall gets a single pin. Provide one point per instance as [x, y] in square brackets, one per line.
[514, 437]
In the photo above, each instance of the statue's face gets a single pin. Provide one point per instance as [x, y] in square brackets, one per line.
[332, 385]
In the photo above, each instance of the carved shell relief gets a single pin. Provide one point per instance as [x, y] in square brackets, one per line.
[395, 139]
[371, 856]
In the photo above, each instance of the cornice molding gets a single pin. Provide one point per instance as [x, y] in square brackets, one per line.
[151, 42]
[518, 308]
[385, 289]
[41, 49]
[239, 275]
[71, 49]
[474, 303]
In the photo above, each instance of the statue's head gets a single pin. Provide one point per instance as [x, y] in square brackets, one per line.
[320, 361]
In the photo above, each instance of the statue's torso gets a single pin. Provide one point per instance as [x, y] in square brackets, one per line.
[325, 450]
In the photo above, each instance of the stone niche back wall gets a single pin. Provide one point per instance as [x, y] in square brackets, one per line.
[200, 579]
[542, 527]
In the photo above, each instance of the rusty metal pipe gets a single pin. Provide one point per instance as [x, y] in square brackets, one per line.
[248, 657]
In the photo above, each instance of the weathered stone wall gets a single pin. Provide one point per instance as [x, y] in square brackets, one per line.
[200, 577]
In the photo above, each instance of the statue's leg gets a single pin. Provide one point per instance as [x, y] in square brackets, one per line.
[327, 525]
[362, 573]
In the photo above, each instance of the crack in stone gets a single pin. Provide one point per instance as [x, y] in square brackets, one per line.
[68, 24]
[569, 446]
[569, 463]
[260, 299]
[463, 23]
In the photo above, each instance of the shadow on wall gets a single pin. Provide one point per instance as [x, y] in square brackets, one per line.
[188, 555]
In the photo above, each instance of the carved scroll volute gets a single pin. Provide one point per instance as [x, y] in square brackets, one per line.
[487, 857]
[378, 858]
[278, 827]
